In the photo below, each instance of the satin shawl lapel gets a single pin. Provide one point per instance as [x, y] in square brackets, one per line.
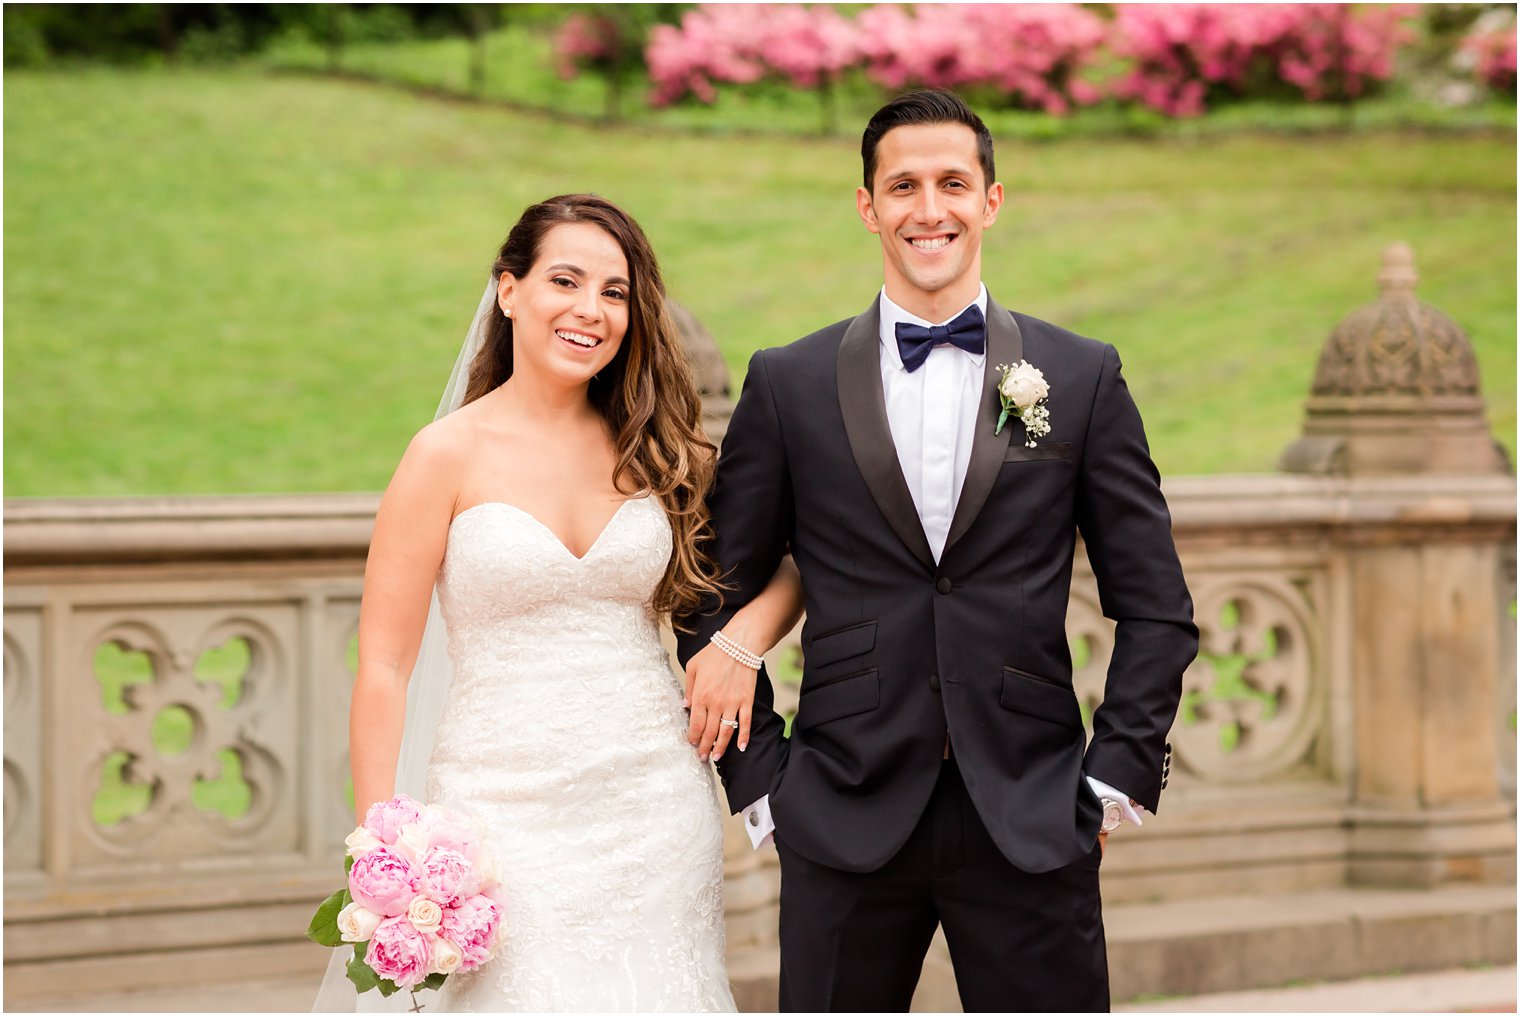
[1004, 346]
[864, 408]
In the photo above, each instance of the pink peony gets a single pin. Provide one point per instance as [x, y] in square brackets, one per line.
[399, 952]
[455, 834]
[446, 876]
[385, 818]
[472, 927]
[383, 881]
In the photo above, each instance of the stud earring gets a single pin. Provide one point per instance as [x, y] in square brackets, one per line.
[507, 311]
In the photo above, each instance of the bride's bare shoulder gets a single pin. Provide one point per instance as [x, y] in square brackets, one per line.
[437, 453]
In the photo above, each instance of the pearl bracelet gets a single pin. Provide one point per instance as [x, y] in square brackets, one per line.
[736, 651]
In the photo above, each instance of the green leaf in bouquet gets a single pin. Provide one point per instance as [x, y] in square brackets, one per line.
[323, 929]
[387, 987]
[434, 981]
[348, 865]
[362, 974]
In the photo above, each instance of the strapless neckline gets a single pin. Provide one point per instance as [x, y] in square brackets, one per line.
[545, 528]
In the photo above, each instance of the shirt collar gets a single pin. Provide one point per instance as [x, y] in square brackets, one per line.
[891, 314]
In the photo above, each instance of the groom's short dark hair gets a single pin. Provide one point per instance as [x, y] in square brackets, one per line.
[929, 106]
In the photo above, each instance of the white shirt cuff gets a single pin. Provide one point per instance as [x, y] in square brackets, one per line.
[1132, 812]
[757, 822]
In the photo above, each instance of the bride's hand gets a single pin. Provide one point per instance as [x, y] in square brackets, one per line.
[717, 686]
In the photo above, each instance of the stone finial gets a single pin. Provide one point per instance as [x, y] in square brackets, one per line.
[1398, 277]
[708, 366]
[1396, 390]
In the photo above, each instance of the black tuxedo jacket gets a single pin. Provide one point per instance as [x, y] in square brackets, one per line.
[899, 650]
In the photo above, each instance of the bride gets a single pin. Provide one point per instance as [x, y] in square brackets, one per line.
[559, 513]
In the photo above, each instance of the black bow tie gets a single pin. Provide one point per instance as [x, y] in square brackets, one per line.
[968, 332]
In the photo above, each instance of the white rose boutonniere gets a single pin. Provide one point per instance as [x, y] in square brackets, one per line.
[1022, 390]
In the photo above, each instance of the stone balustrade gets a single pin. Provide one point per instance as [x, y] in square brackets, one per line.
[177, 675]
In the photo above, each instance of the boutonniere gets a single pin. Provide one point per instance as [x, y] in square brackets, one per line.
[1022, 390]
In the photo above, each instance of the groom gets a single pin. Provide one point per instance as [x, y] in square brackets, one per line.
[936, 773]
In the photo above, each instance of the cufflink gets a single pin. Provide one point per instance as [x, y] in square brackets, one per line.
[754, 819]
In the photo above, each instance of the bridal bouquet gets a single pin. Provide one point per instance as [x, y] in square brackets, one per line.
[419, 903]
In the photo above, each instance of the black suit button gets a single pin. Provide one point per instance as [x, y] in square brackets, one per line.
[934, 682]
[943, 585]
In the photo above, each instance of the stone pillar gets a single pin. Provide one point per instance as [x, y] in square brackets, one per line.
[711, 372]
[1396, 402]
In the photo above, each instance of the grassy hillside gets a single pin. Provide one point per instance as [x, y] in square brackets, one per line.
[225, 281]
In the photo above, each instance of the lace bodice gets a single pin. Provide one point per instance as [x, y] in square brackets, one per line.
[508, 584]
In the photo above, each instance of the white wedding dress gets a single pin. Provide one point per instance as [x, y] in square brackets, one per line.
[564, 737]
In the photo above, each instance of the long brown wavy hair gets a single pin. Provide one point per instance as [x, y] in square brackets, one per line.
[647, 393]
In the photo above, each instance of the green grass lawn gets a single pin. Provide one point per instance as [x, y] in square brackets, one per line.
[224, 281]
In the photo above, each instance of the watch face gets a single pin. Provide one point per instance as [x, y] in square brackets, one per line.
[1112, 816]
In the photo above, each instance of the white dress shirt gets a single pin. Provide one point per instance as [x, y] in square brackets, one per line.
[932, 413]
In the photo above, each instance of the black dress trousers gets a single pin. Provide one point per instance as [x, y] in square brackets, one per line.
[1019, 942]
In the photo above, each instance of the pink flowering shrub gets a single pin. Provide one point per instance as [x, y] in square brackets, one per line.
[1183, 54]
[1174, 58]
[807, 47]
[1033, 55]
[585, 42]
[1494, 53]
[1338, 51]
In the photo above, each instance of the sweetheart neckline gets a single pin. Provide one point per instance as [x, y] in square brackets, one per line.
[544, 526]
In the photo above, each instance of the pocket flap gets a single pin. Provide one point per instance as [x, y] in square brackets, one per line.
[838, 697]
[1020, 452]
[841, 644]
[1035, 696]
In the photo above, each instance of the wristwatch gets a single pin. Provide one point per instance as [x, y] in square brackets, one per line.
[1112, 814]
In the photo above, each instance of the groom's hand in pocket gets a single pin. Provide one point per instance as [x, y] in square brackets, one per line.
[718, 687]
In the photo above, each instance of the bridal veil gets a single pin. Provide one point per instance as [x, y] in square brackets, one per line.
[426, 692]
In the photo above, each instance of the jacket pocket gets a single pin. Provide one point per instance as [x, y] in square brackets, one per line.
[1036, 696]
[1018, 452]
[837, 697]
[841, 644]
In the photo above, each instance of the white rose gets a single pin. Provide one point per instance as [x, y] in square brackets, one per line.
[1025, 385]
[425, 915]
[361, 841]
[412, 842]
[446, 957]
[357, 924]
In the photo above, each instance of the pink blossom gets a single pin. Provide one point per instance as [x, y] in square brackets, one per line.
[1493, 54]
[383, 881]
[585, 41]
[472, 927]
[1038, 56]
[446, 876]
[399, 952]
[713, 43]
[385, 818]
[458, 835]
[1180, 53]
